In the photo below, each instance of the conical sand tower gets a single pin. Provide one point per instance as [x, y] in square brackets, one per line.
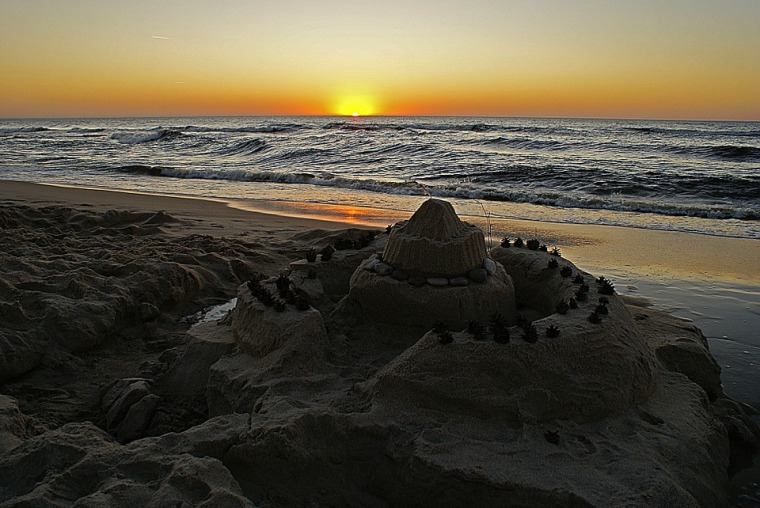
[436, 242]
[434, 268]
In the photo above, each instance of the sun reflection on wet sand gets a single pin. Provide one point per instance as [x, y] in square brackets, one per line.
[356, 215]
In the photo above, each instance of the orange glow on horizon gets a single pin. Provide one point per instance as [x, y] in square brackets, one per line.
[610, 59]
[355, 106]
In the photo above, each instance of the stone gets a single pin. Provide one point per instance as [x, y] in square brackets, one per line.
[437, 281]
[400, 275]
[478, 274]
[417, 281]
[383, 269]
[458, 281]
[370, 267]
[490, 266]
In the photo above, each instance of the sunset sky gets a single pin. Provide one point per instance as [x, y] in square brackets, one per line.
[569, 58]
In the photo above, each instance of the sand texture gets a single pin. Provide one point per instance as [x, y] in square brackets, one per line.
[109, 396]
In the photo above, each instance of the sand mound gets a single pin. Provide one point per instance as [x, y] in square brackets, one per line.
[587, 373]
[71, 279]
[385, 300]
[435, 242]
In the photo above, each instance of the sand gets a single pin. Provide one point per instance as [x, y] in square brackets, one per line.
[195, 252]
[710, 280]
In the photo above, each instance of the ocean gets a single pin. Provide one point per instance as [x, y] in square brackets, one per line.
[701, 177]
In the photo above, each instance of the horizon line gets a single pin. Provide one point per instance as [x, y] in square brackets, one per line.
[357, 118]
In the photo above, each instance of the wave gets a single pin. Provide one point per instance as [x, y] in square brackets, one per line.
[369, 125]
[547, 197]
[397, 149]
[139, 136]
[739, 153]
[315, 154]
[18, 130]
[734, 153]
[730, 131]
[85, 129]
[245, 147]
[143, 169]
[523, 143]
[266, 129]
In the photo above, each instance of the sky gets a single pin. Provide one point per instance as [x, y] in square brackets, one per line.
[680, 59]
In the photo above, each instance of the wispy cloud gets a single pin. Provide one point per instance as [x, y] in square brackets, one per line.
[160, 37]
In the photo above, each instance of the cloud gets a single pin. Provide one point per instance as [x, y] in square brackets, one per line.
[161, 37]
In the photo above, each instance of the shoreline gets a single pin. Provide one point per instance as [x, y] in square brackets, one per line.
[710, 280]
[638, 249]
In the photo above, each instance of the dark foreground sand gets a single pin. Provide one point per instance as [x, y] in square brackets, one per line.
[121, 270]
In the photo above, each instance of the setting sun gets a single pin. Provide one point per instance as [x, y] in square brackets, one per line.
[355, 105]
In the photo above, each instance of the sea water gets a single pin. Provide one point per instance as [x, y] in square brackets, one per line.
[700, 177]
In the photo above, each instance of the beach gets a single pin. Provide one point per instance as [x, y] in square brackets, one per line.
[318, 254]
[712, 281]
[709, 280]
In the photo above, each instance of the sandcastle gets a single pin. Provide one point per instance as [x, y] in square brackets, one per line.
[545, 362]
[434, 268]
[514, 361]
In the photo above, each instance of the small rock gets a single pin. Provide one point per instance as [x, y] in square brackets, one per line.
[459, 281]
[417, 281]
[437, 281]
[370, 267]
[478, 275]
[490, 266]
[383, 269]
[400, 275]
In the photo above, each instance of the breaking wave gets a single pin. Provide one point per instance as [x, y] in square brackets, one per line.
[739, 153]
[140, 136]
[607, 201]
[245, 147]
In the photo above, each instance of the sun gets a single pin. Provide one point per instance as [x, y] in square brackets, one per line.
[355, 105]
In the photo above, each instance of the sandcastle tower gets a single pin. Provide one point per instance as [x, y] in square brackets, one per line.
[436, 243]
[434, 268]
